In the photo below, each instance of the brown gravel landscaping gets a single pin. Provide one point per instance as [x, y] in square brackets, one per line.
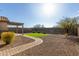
[53, 45]
[18, 40]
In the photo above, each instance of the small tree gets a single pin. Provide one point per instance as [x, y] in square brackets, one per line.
[69, 25]
[74, 26]
[37, 27]
[65, 24]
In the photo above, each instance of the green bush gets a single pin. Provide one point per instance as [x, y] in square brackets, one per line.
[7, 37]
[33, 32]
[38, 32]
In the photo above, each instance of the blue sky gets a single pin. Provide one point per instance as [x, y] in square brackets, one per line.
[31, 13]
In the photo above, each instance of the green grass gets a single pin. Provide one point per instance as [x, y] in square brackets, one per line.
[36, 34]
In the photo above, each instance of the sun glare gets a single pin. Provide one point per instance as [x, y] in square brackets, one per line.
[48, 9]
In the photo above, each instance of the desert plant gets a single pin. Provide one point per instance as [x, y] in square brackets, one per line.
[69, 25]
[7, 37]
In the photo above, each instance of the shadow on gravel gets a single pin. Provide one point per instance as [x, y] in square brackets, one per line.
[2, 45]
[73, 38]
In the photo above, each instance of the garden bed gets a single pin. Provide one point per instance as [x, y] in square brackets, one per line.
[19, 40]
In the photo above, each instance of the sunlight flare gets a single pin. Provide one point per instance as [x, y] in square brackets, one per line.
[49, 9]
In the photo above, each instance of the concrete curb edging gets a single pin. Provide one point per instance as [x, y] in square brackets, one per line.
[18, 49]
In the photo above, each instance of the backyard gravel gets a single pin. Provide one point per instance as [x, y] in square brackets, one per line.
[53, 45]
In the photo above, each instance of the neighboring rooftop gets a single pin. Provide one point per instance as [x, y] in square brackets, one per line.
[5, 19]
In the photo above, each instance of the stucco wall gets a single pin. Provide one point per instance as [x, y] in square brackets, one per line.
[3, 26]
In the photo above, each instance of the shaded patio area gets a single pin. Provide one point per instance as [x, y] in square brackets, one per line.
[4, 23]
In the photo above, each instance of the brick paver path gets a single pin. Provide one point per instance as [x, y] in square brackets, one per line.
[18, 49]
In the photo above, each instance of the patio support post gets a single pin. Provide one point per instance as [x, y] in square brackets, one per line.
[16, 28]
[22, 29]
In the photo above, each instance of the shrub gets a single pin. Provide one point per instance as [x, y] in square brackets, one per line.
[7, 37]
[33, 32]
[38, 32]
[44, 33]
